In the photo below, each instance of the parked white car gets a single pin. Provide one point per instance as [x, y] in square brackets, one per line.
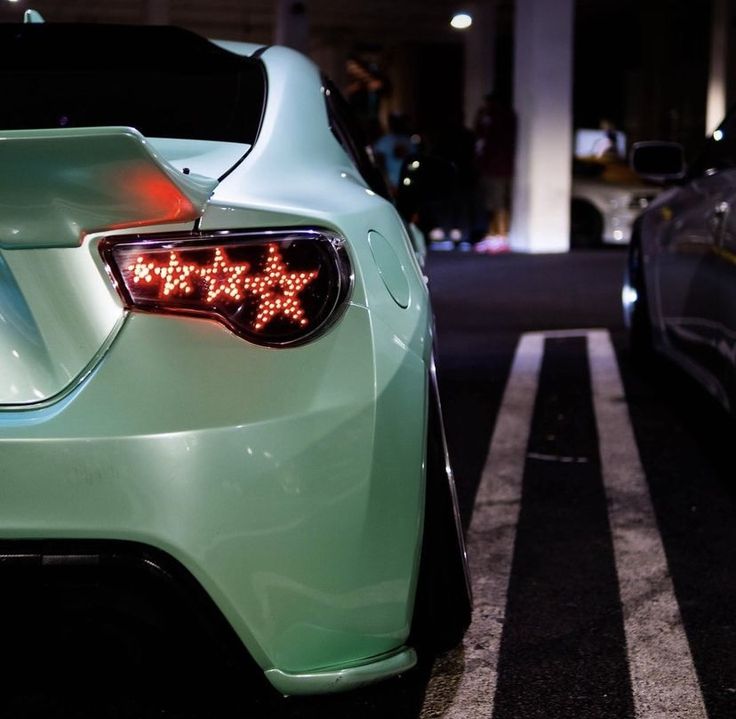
[607, 196]
[603, 211]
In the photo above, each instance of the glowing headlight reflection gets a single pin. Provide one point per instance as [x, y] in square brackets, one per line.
[629, 296]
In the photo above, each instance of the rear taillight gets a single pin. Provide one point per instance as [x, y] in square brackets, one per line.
[274, 287]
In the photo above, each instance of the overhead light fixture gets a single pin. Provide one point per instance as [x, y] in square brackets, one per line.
[461, 20]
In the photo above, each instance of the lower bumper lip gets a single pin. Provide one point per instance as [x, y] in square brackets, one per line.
[346, 678]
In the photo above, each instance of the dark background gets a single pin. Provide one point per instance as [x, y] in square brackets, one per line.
[643, 64]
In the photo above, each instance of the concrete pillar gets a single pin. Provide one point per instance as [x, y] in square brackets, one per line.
[158, 12]
[480, 56]
[543, 54]
[292, 24]
[717, 80]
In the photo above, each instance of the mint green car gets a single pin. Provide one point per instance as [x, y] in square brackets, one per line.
[216, 350]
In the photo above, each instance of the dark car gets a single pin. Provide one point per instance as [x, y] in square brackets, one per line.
[680, 290]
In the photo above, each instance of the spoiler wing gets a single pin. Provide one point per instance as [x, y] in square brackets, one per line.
[58, 185]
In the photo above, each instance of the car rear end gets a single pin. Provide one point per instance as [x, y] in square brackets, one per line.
[214, 339]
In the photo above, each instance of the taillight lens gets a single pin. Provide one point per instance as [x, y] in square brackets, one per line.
[275, 288]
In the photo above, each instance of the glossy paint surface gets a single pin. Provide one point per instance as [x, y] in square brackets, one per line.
[343, 678]
[280, 487]
[57, 313]
[288, 481]
[58, 185]
[688, 246]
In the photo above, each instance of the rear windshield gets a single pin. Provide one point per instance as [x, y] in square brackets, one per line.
[165, 82]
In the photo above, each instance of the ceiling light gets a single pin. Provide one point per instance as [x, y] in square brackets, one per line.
[461, 21]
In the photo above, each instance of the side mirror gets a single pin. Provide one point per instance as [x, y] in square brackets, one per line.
[659, 161]
[426, 184]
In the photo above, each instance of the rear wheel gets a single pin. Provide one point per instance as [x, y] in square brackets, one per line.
[443, 606]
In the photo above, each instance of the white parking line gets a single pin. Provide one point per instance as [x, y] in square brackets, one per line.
[463, 683]
[663, 678]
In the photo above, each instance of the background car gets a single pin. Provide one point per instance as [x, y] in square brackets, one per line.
[679, 297]
[216, 344]
[603, 210]
[607, 196]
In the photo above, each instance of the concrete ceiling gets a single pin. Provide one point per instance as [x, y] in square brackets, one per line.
[253, 19]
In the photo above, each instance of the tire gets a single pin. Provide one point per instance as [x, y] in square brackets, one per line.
[586, 226]
[639, 321]
[444, 604]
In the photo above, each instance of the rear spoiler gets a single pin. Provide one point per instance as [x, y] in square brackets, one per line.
[58, 185]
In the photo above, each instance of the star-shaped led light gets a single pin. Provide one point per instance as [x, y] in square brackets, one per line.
[223, 277]
[172, 278]
[277, 291]
[220, 277]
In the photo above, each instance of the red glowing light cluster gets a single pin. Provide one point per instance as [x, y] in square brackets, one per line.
[221, 281]
[278, 290]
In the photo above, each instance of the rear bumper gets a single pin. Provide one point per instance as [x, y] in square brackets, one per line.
[153, 588]
[296, 506]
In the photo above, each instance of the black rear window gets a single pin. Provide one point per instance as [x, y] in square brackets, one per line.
[164, 81]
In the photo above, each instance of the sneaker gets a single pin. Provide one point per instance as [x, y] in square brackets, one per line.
[493, 245]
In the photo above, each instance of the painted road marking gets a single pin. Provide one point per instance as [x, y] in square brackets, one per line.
[463, 682]
[663, 677]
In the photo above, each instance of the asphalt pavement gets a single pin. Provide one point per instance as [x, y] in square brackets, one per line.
[598, 499]
[618, 596]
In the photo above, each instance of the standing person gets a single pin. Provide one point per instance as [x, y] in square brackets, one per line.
[393, 148]
[366, 92]
[605, 149]
[455, 143]
[495, 149]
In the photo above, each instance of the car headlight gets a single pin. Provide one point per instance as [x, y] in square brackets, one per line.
[641, 202]
[275, 287]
